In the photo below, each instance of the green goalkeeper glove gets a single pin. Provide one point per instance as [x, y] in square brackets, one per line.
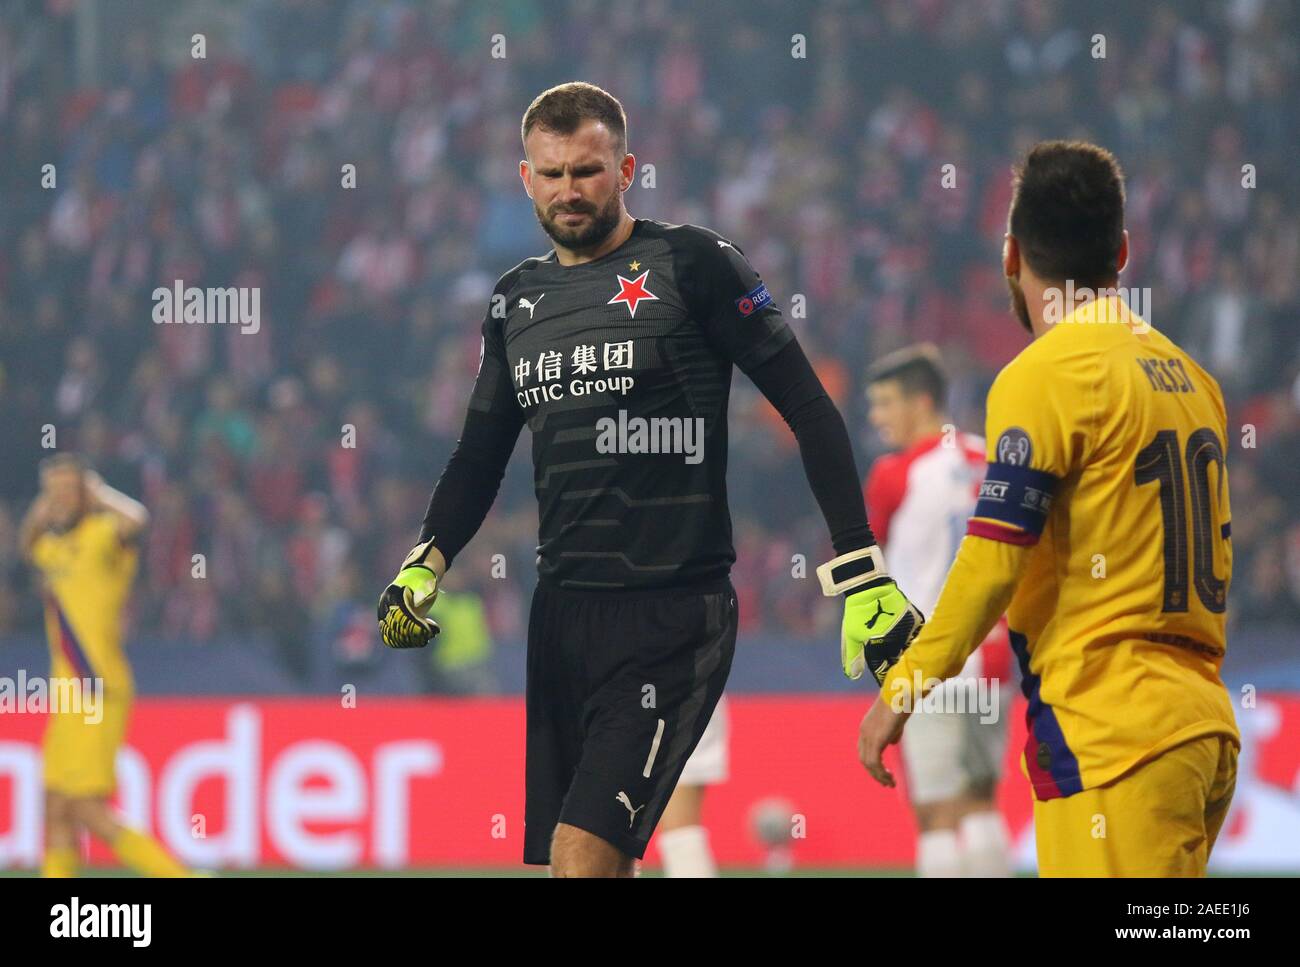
[879, 621]
[404, 620]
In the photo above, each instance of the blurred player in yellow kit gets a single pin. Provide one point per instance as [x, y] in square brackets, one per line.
[80, 534]
[1102, 529]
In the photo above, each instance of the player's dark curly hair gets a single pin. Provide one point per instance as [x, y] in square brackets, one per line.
[563, 107]
[1067, 212]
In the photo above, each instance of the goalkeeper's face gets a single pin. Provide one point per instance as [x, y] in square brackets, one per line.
[66, 488]
[576, 182]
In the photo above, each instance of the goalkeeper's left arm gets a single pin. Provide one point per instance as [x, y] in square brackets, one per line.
[879, 621]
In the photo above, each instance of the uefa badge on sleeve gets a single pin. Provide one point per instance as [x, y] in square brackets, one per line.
[754, 300]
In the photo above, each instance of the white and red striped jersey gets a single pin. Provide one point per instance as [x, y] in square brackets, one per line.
[919, 501]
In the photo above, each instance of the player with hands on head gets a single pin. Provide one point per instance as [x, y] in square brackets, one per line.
[82, 536]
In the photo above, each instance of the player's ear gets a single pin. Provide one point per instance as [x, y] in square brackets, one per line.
[1010, 256]
[526, 176]
[627, 168]
[1123, 253]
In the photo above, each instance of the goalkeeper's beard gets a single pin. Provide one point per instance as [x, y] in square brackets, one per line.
[603, 221]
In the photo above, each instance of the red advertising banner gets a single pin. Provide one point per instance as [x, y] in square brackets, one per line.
[393, 783]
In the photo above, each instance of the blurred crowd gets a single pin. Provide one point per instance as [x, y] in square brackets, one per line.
[297, 460]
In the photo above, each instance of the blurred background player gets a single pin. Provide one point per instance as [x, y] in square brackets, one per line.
[80, 535]
[683, 838]
[920, 499]
[1103, 530]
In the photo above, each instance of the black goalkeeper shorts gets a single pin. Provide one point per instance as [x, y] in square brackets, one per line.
[620, 688]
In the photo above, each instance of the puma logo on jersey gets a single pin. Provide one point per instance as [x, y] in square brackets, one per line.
[623, 798]
[530, 305]
[880, 610]
[723, 243]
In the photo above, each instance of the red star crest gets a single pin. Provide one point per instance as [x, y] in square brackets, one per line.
[633, 291]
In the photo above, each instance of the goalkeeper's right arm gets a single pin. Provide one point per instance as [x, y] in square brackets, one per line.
[457, 508]
[404, 620]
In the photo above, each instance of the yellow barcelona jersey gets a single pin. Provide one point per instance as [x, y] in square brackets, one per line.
[1106, 449]
[87, 574]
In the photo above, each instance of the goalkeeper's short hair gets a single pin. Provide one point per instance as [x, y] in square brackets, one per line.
[564, 107]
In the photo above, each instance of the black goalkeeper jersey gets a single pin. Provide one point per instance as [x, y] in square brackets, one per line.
[622, 369]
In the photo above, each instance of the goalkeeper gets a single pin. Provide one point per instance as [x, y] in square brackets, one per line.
[616, 348]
